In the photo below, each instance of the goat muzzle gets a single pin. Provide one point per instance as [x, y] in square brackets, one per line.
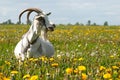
[51, 28]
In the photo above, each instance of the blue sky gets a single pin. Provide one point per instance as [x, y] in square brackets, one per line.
[65, 11]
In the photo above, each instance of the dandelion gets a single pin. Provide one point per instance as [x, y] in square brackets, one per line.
[119, 76]
[107, 76]
[1, 75]
[84, 76]
[31, 59]
[43, 58]
[80, 59]
[75, 59]
[112, 56]
[115, 67]
[81, 68]
[54, 65]
[14, 72]
[102, 68]
[35, 77]
[108, 70]
[6, 78]
[26, 76]
[115, 73]
[34, 60]
[76, 71]
[7, 62]
[69, 70]
[51, 59]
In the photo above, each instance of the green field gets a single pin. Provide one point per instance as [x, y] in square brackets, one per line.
[81, 53]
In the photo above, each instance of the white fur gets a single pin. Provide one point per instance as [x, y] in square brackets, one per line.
[42, 47]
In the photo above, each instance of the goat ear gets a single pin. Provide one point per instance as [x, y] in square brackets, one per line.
[48, 13]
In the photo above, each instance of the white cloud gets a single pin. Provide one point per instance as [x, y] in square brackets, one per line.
[65, 10]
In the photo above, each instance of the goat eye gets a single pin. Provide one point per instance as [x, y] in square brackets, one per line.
[42, 20]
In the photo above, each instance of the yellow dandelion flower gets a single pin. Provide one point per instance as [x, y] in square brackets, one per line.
[119, 76]
[81, 68]
[112, 56]
[34, 60]
[51, 59]
[108, 70]
[76, 71]
[7, 62]
[35, 77]
[1, 67]
[43, 58]
[75, 59]
[69, 70]
[115, 72]
[26, 76]
[54, 65]
[107, 76]
[25, 65]
[97, 79]
[31, 59]
[1, 74]
[14, 72]
[80, 59]
[84, 76]
[115, 67]
[102, 68]
[6, 78]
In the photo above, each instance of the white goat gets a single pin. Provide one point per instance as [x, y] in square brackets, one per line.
[34, 43]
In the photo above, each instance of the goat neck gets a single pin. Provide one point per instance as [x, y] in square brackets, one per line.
[34, 32]
[44, 34]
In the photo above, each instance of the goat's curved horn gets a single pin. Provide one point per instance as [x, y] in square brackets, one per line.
[30, 10]
[28, 14]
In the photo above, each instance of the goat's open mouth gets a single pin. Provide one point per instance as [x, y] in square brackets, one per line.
[50, 28]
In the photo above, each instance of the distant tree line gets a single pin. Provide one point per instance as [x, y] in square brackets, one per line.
[91, 24]
[94, 24]
[9, 21]
[77, 23]
[88, 24]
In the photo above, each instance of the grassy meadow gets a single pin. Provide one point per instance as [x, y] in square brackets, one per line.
[81, 53]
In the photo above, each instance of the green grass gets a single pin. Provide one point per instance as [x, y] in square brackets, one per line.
[88, 46]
